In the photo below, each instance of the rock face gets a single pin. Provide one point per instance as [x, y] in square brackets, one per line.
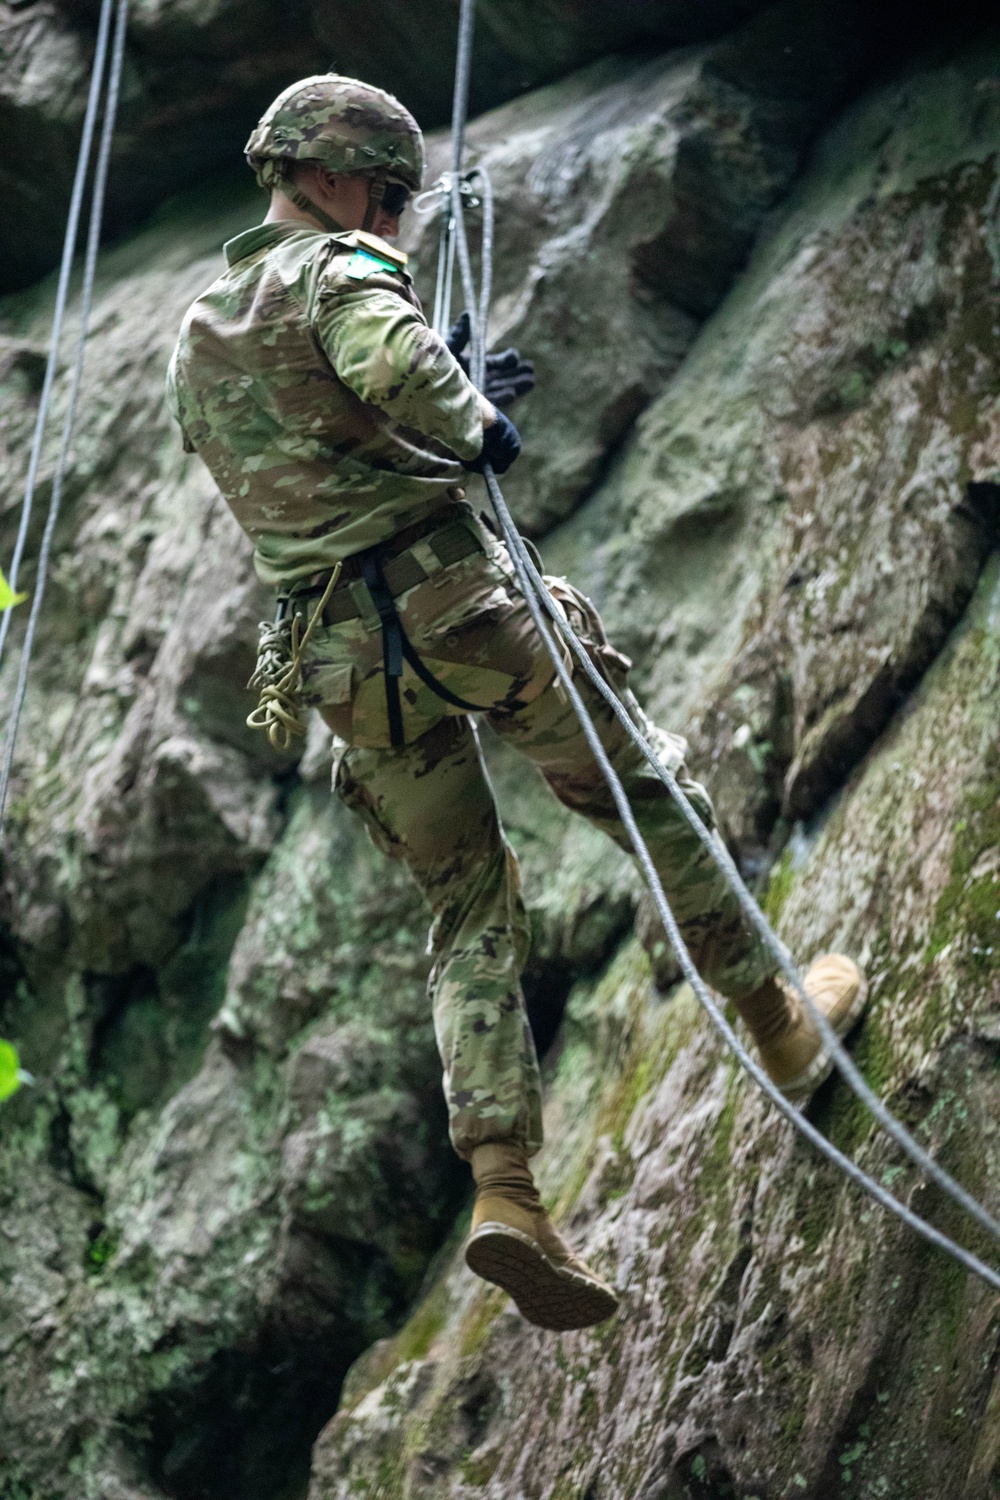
[854, 364]
[203, 1225]
[627, 198]
[787, 541]
[198, 73]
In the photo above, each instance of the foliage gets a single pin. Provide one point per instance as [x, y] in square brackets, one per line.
[12, 1075]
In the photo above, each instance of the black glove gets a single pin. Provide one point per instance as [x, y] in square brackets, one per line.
[501, 445]
[507, 374]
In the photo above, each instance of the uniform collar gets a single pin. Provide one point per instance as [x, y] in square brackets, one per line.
[262, 236]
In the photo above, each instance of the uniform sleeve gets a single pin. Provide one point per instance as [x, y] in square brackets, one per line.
[174, 402]
[382, 348]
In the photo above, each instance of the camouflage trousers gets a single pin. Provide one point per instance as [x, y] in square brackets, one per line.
[430, 804]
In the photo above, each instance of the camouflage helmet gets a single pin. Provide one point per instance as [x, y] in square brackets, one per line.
[341, 123]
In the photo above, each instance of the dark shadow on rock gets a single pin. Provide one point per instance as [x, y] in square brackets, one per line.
[152, 1026]
[247, 1428]
[849, 740]
[546, 989]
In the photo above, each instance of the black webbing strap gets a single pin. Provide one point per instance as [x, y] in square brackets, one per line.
[397, 647]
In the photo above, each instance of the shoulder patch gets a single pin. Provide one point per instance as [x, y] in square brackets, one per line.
[371, 243]
[363, 263]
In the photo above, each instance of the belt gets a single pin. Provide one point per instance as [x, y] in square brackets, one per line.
[376, 577]
[440, 546]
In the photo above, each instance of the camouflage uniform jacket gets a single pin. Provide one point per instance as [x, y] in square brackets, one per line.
[328, 413]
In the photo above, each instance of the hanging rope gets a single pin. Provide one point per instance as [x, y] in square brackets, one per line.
[86, 298]
[62, 290]
[541, 604]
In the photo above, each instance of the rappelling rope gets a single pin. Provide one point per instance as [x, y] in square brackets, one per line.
[538, 597]
[841, 1057]
[62, 290]
[86, 297]
[775, 947]
[715, 1014]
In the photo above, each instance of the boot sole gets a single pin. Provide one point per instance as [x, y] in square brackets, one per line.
[800, 1089]
[550, 1296]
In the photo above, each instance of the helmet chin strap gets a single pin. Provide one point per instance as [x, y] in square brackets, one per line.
[376, 192]
[307, 206]
[312, 209]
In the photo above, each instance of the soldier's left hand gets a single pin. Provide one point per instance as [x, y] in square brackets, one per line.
[507, 374]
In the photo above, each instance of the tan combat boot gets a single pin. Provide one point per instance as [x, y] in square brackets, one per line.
[513, 1244]
[787, 1037]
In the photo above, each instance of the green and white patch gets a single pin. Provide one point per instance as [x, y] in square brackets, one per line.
[362, 264]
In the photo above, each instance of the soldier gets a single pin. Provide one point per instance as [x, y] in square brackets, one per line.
[339, 428]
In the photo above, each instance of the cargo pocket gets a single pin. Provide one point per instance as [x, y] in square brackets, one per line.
[585, 621]
[328, 687]
[327, 684]
[466, 615]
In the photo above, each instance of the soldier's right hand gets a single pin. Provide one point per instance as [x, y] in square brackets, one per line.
[501, 445]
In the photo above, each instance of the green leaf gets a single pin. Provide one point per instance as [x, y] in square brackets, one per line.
[11, 1076]
[7, 601]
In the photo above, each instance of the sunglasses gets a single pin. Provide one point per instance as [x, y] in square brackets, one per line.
[395, 197]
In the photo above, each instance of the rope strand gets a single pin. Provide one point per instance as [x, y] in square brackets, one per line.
[62, 292]
[279, 712]
[715, 1015]
[86, 297]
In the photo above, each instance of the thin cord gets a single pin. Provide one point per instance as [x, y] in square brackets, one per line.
[460, 98]
[437, 319]
[62, 290]
[86, 297]
[486, 275]
[477, 352]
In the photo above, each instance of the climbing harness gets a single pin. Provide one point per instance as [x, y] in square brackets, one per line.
[86, 298]
[383, 575]
[397, 648]
[545, 610]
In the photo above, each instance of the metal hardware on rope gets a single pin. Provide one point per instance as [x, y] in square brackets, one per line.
[62, 291]
[538, 598]
[86, 298]
[429, 202]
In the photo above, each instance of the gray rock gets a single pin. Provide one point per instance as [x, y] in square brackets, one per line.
[755, 547]
[199, 72]
[779, 1335]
